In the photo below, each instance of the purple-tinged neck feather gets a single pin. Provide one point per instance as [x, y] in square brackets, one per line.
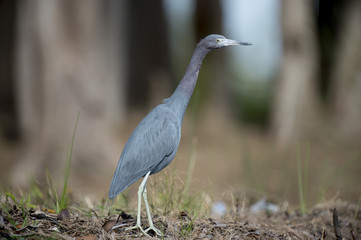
[181, 96]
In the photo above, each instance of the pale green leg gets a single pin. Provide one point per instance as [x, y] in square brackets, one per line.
[142, 191]
[150, 221]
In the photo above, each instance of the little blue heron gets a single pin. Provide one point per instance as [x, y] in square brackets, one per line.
[154, 142]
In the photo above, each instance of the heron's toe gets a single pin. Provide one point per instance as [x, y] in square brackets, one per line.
[140, 228]
[156, 230]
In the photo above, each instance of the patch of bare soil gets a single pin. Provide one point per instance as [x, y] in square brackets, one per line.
[336, 220]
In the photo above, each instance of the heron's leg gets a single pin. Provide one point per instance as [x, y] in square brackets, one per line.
[140, 192]
[150, 221]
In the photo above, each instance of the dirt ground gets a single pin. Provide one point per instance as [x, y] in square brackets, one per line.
[321, 222]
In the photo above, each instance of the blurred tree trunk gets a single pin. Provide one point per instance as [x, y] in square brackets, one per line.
[8, 123]
[346, 74]
[296, 103]
[211, 83]
[330, 13]
[149, 76]
[68, 61]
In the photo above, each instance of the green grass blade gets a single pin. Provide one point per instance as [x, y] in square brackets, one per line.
[64, 202]
[300, 185]
[10, 219]
[8, 194]
[53, 191]
[191, 165]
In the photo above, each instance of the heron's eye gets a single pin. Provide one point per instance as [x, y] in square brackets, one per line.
[218, 40]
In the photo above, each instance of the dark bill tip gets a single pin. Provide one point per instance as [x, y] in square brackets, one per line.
[245, 43]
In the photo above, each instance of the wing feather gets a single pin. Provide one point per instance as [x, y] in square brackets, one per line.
[151, 147]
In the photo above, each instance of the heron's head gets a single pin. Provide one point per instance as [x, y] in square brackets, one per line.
[215, 41]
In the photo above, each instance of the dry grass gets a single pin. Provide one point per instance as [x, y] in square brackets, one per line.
[26, 223]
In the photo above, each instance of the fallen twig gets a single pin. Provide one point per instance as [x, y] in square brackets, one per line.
[336, 225]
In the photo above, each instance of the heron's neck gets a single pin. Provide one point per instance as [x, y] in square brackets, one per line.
[181, 96]
[190, 77]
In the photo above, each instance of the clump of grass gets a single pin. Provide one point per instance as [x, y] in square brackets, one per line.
[302, 182]
[168, 196]
[165, 189]
[12, 205]
[53, 194]
[332, 176]
[17, 210]
[192, 161]
[187, 229]
[64, 196]
[50, 198]
[62, 203]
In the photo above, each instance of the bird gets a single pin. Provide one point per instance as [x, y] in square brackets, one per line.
[154, 142]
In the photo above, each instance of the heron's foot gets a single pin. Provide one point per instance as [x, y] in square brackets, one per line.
[156, 230]
[140, 228]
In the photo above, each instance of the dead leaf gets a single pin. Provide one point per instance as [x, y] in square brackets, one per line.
[63, 214]
[48, 210]
[108, 225]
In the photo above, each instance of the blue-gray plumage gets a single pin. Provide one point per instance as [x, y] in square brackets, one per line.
[154, 142]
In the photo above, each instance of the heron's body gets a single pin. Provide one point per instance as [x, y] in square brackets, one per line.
[159, 134]
[154, 142]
